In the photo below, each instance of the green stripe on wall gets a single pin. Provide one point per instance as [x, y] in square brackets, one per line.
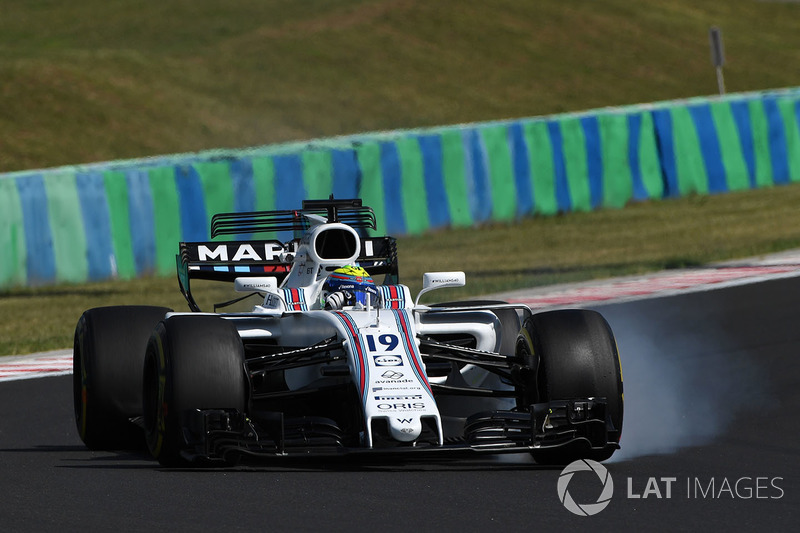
[415, 198]
[501, 172]
[543, 174]
[453, 170]
[574, 144]
[758, 122]
[369, 158]
[117, 197]
[317, 174]
[12, 236]
[66, 226]
[649, 164]
[217, 189]
[617, 179]
[264, 183]
[786, 107]
[692, 176]
[167, 218]
[730, 146]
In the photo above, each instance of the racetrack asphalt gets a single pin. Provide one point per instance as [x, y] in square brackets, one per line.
[712, 386]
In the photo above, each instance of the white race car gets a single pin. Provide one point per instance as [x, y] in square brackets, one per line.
[331, 364]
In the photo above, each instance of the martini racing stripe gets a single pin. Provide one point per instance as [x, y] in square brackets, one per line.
[295, 299]
[355, 340]
[392, 297]
[401, 315]
[246, 269]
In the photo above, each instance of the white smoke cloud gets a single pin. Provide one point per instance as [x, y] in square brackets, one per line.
[685, 379]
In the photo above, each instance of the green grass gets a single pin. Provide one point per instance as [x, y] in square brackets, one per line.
[539, 251]
[99, 80]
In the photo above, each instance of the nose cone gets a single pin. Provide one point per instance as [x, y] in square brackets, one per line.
[405, 429]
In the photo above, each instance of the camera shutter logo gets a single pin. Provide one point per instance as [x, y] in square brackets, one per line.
[585, 509]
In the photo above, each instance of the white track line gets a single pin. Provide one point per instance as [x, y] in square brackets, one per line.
[783, 265]
[648, 287]
[56, 363]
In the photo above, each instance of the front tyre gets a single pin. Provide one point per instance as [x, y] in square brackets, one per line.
[107, 360]
[192, 362]
[577, 358]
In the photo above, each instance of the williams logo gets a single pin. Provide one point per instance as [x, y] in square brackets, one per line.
[585, 509]
[391, 374]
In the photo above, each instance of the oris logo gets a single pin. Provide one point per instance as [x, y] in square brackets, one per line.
[401, 406]
[388, 360]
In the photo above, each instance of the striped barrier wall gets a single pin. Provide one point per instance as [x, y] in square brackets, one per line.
[125, 218]
[729, 145]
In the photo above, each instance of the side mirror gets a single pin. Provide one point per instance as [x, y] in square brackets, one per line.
[439, 280]
[256, 284]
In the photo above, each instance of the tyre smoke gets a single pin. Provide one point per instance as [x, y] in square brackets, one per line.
[685, 377]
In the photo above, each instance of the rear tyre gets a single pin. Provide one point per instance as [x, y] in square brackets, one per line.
[192, 362]
[108, 356]
[577, 357]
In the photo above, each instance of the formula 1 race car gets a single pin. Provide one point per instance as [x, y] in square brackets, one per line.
[328, 363]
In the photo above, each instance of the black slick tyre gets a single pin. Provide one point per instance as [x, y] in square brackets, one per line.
[108, 356]
[192, 362]
[577, 358]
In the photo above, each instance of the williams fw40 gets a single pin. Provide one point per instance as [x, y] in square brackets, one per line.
[325, 362]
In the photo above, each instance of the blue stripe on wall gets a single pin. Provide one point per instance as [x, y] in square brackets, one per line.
[480, 194]
[392, 189]
[634, 132]
[40, 261]
[522, 169]
[194, 220]
[289, 187]
[244, 188]
[438, 205]
[563, 198]
[96, 223]
[142, 220]
[662, 119]
[594, 159]
[777, 141]
[741, 116]
[709, 147]
[346, 174]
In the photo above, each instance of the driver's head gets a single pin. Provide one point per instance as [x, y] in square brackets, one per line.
[354, 282]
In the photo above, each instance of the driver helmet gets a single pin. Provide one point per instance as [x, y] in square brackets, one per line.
[354, 282]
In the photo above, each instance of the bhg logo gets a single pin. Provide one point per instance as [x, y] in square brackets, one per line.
[585, 509]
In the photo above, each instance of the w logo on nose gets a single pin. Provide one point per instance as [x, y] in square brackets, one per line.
[405, 420]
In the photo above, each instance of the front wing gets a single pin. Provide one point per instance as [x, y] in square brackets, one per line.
[227, 436]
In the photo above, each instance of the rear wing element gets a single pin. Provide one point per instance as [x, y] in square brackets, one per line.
[349, 212]
[226, 261]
